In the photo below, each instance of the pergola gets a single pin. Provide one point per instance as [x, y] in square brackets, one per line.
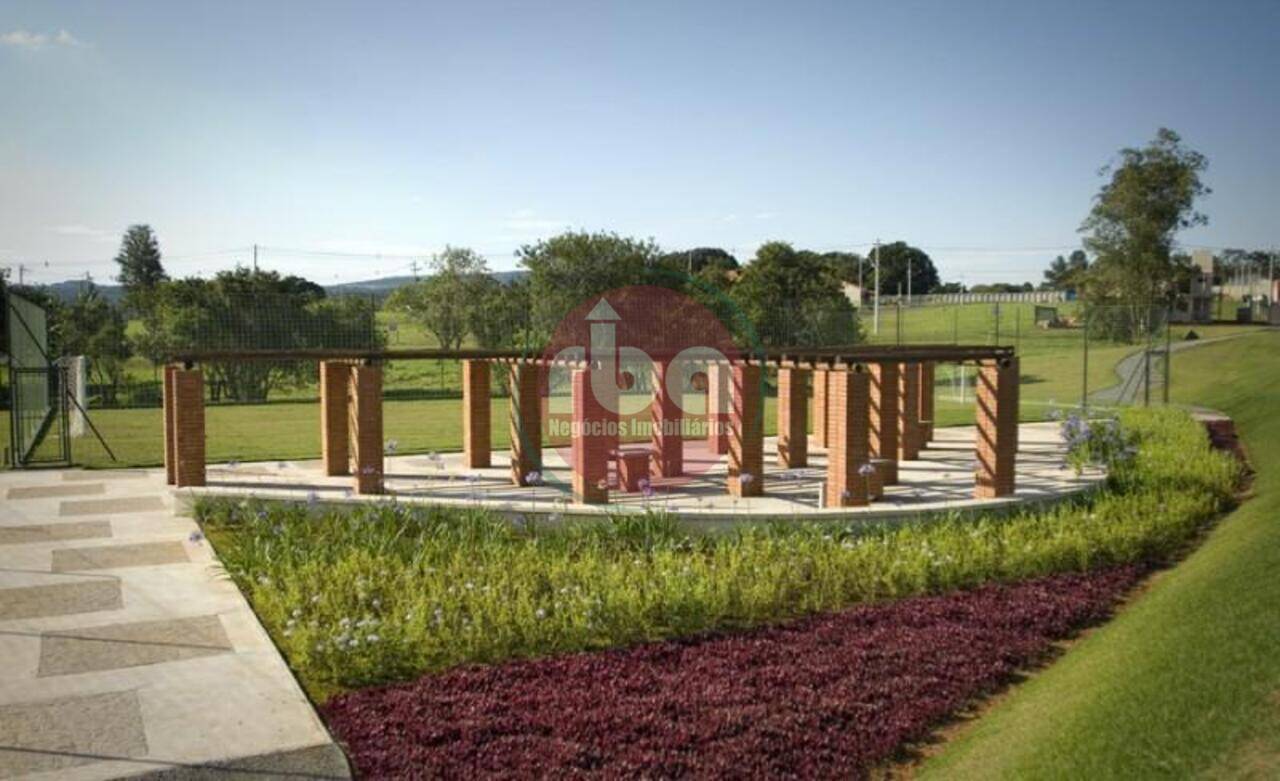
[872, 407]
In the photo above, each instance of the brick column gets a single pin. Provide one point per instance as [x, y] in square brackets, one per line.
[476, 424]
[821, 427]
[849, 448]
[793, 418]
[666, 418]
[718, 405]
[908, 412]
[365, 390]
[170, 457]
[746, 432]
[526, 422]
[997, 445]
[335, 448]
[188, 427]
[884, 418]
[926, 402]
[590, 442]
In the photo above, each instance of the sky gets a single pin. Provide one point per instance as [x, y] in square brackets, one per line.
[346, 140]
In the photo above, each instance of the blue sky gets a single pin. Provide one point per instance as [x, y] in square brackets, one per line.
[973, 130]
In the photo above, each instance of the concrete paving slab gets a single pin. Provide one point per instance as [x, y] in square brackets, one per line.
[143, 554]
[59, 599]
[59, 733]
[115, 646]
[125, 504]
[53, 532]
[51, 491]
[75, 475]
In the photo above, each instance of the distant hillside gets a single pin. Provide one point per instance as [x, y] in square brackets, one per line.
[68, 290]
[384, 286]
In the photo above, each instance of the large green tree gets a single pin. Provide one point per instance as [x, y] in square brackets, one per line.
[568, 269]
[92, 326]
[898, 262]
[442, 303]
[141, 270]
[794, 298]
[1067, 273]
[1150, 194]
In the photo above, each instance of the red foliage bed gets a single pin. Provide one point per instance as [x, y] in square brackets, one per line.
[829, 696]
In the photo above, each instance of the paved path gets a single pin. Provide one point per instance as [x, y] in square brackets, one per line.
[1130, 370]
[124, 650]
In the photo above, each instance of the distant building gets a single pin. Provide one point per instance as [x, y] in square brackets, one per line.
[853, 292]
[1194, 304]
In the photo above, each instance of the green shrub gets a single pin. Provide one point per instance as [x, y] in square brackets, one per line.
[390, 591]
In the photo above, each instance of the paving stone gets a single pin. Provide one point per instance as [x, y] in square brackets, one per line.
[52, 532]
[116, 646]
[103, 474]
[60, 599]
[52, 491]
[141, 554]
[124, 504]
[63, 733]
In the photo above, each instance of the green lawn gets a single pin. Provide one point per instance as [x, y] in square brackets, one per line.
[1186, 681]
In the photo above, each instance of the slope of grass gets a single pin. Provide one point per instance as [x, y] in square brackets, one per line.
[1187, 680]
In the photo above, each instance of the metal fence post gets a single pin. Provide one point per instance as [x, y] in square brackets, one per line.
[1168, 351]
[1084, 394]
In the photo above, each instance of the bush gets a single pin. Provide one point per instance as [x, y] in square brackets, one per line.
[390, 591]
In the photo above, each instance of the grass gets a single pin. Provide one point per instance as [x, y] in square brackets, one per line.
[390, 592]
[1186, 682]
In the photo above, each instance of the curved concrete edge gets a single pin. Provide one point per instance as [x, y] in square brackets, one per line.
[323, 761]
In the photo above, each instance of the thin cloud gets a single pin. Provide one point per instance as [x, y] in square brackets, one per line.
[86, 232]
[25, 39]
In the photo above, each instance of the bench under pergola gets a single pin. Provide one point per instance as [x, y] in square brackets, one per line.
[873, 407]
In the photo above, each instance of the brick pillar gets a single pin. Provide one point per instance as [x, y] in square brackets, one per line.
[746, 432]
[926, 402]
[908, 412]
[821, 427]
[997, 445]
[590, 441]
[365, 391]
[526, 422]
[188, 427]
[718, 405]
[793, 418]
[666, 418]
[170, 457]
[476, 424]
[849, 449]
[335, 448]
[884, 418]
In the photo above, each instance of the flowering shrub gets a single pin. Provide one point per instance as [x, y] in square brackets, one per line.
[390, 591]
[1099, 442]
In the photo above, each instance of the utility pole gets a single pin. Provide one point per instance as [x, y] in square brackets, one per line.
[255, 258]
[22, 270]
[908, 281]
[414, 267]
[876, 319]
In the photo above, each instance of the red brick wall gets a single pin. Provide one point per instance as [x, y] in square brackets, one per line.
[335, 452]
[884, 418]
[793, 414]
[667, 418]
[849, 448]
[188, 427]
[366, 428]
[746, 432]
[997, 439]
[476, 414]
[526, 421]
[821, 428]
[908, 412]
[590, 442]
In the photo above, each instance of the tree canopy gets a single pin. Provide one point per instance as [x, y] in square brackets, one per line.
[444, 302]
[895, 260]
[794, 298]
[141, 269]
[1067, 273]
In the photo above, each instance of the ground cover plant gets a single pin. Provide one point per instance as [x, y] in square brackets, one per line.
[824, 697]
[390, 592]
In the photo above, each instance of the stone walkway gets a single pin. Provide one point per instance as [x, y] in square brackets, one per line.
[125, 652]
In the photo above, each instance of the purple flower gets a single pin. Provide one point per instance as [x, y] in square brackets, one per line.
[867, 470]
[195, 536]
[746, 477]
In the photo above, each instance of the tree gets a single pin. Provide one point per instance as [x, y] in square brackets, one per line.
[695, 262]
[140, 267]
[442, 302]
[1067, 273]
[566, 270]
[895, 260]
[1150, 194]
[500, 316]
[794, 299]
[92, 326]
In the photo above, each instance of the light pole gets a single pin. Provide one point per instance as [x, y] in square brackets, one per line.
[876, 317]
